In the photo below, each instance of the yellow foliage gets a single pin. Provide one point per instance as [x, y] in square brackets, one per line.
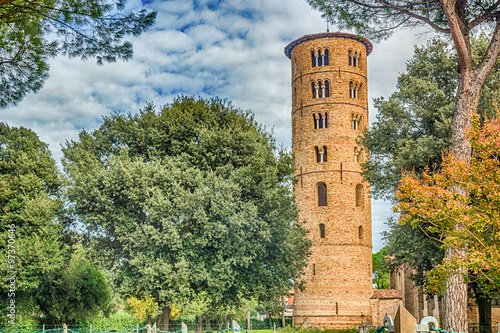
[142, 309]
[174, 313]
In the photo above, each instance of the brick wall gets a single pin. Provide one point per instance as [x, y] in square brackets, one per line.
[339, 276]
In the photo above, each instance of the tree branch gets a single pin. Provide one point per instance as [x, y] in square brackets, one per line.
[459, 38]
[488, 13]
[490, 58]
[5, 2]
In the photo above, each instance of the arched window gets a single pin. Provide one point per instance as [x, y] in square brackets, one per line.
[320, 154]
[356, 122]
[326, 60]
[360, 232]
[353, 58]
[359, 195]
[321, 230]
[313, 59]
[322, 193]
[356, 154]
[320, 58]
[353, 90]
[327, 88]
[313, 86]
[321, 90]
[320, 121]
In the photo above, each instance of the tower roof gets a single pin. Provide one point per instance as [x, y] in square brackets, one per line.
[289, 47]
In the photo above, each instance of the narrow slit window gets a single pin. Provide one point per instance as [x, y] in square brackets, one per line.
[325, 120]
[313, 59]
[322, 230]
[325, 157]
[313, 86]
[327, 88]
[360, 232]
[322, 194]
[316, 121]
[320, 58]
[359, 196]
[314, 269]
[321, 90]
[326, 61]
[318, 157]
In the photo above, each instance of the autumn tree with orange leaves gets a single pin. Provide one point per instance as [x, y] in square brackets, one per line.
[477, 214]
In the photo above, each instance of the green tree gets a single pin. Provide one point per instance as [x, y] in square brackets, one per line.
[451, 18]
[413, 126]
[380, 270]
[29, 230]
[192, 200]
[75, 293]
[33, 32]
[47, 278]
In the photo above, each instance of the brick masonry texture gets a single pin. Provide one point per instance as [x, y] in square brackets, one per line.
[339, 291]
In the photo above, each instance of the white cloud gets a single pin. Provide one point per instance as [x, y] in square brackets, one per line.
[231, 49]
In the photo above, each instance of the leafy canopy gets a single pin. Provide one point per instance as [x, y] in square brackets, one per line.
[432, 201]
[189, 202]
[413, 125]
[33, 32]
[29, 184]
[379, 19]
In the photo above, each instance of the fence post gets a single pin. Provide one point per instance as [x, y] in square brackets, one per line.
[65, 328]
[90, 328]
[137, 327]
[43, 328]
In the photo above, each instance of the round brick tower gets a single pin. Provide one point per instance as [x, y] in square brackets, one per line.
[329, 111]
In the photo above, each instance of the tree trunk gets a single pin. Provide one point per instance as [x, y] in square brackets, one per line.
[249, 323]
[455, 298]
[208, 325]
[220, 323]
[163, 321]
[199, 324]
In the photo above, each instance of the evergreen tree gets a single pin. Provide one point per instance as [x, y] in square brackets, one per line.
[32, 32]
[191, 204]
[29, 232]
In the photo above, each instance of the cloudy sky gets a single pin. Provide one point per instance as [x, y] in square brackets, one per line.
[227, 48]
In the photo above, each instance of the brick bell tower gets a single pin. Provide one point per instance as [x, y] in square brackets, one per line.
[329, 111]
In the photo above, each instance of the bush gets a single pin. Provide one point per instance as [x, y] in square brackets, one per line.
[118, 321]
